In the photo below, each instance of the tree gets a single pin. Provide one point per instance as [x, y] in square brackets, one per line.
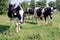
[58, 4]
[32, 4]
[41, 3]
[51, 3]
[25, 5]
[3, 6]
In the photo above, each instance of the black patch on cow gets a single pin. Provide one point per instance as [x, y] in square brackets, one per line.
[31, 11]
[11, 12]
[47, 11]
[39, 12]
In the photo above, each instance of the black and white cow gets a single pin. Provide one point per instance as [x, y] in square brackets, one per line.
[47, 13]
[38, 11]
[29, 12]
[16, 15]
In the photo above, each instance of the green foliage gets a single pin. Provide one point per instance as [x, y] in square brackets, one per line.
[41, 3]
[58, 4]
[51, 4]
[32, 4]
[3, 6]
[25, 5]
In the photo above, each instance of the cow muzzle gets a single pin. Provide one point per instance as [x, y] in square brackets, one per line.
[21, 22]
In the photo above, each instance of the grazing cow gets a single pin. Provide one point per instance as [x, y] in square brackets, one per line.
[16, 15]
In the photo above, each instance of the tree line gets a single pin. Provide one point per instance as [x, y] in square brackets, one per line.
[26, 4]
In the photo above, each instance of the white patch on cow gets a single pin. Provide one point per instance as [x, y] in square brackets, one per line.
[55, 10]
[43, 10]
[21, 12]
[51, 8]
[15, 14]
[37, 8]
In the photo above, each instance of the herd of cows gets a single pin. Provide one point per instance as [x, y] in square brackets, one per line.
[41, 12]
[37, 12]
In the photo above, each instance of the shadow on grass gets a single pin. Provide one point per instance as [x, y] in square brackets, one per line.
[3, 28]
[30, 22]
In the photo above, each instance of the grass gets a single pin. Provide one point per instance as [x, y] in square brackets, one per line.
[29, 30]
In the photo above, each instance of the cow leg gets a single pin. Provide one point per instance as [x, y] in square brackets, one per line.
[33, 18]
[36, 19]
[46, 20]
[27, 16]
[51, 19]
[16, 24]
[17, 28]
[19, 25]
[10, 22]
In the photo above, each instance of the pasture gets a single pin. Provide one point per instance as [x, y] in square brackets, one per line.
[29, 30]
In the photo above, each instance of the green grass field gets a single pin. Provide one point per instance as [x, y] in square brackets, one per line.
[29, 30]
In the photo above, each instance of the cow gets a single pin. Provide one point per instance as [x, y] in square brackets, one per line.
[29, 12]
[16, 15]
[47, 13]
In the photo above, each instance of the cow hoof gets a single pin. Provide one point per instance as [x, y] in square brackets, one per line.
[21, 22]
[16, 30]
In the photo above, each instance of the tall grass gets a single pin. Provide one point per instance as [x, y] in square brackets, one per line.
[29, 30]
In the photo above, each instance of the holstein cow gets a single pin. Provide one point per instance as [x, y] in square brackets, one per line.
[16, 15]
[47, 13]
[38, 13]
[29, 12]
